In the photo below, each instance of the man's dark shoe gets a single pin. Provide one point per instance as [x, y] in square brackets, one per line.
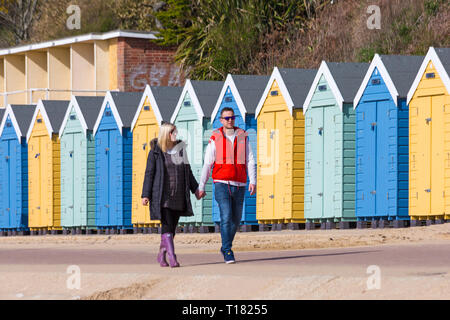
[228, 256]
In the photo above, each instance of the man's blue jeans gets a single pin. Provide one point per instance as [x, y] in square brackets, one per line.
[230, 200]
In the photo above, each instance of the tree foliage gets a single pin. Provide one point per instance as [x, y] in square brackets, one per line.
[136, 14]
[223, 36]
[176, 18]
[3, 6]
[18, 16]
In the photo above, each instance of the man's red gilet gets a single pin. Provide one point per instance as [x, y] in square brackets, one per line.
[230, 164]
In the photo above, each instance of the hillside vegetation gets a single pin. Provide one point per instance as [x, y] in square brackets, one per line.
[250, 36]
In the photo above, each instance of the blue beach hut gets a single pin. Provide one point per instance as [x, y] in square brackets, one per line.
[14, 168]
[241, 93]
[113, 161]
[382, 139]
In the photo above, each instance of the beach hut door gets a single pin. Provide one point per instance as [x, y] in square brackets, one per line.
[67, 179]
[437, 121]
[367, 159]
[5, 214]
[316, 164]
[103, 177]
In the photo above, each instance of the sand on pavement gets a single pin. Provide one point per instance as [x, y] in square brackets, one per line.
[204, 275]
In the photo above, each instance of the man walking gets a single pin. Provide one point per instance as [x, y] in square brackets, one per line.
[230, 155]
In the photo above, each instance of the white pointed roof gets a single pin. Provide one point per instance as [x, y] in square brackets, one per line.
[440, 57]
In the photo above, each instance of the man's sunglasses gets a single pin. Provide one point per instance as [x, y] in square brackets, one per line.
[229, 118]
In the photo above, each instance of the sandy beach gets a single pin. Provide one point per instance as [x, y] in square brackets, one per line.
[318, 264]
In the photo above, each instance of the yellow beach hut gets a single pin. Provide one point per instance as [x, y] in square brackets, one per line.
[281, 148]
[44, 186]
[429, 139]
[157, 104]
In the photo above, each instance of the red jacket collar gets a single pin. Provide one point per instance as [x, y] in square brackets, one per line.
[235, 129]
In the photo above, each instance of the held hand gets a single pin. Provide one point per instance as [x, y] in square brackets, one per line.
[145, 201]
[252, 189]
[200, 194]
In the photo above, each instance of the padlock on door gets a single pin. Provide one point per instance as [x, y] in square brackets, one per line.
[272, 133]
[320, 131]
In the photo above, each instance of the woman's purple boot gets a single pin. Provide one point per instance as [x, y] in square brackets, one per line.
[162, 253]
[167, 238]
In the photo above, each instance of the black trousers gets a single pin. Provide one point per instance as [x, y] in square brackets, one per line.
[169, 220]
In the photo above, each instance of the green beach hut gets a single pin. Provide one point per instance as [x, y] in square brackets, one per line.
[191, 116]
[78, 164]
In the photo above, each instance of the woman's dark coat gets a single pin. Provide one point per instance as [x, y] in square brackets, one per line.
[154, 180]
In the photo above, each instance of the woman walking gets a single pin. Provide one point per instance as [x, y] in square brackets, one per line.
[168, 180]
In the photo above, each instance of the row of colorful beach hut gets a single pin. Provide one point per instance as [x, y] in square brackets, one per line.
[349, 142]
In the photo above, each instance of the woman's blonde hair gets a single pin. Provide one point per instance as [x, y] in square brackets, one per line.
[164, 141]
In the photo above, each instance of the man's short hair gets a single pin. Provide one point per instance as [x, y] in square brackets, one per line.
[226, 109]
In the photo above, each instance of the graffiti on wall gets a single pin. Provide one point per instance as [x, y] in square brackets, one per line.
[155, 75]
